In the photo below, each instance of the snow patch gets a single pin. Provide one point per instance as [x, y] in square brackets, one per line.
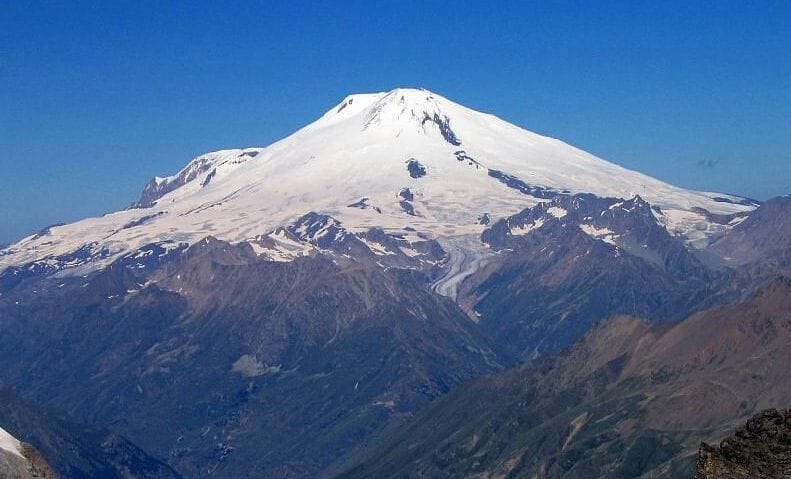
[278, 247]
[521, 230]
[602, 234]
[557, 211]
[410, 251]
[377, 248]
[10, 443]
[249, 366]
[694, 227]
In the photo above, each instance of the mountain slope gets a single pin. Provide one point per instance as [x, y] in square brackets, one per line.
[764, 234]
[565, 264]
[69, 450]
[629, 400]
[760, 246]
[226, 364]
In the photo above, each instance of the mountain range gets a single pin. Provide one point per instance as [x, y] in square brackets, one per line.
[376, 279]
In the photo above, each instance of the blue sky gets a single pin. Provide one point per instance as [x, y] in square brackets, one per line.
[97, 97]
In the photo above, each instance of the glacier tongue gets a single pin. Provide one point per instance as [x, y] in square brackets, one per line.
[466, 254]
[456, 164]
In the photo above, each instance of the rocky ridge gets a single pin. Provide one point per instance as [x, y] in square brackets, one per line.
[759, 450]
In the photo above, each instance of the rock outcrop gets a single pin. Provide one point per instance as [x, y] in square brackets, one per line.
[19, 460]
[760, 450]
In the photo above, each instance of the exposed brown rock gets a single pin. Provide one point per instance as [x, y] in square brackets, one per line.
[760, 450]
[39, 468]
[30, 465]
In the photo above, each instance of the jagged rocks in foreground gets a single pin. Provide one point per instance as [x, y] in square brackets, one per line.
[761, 449]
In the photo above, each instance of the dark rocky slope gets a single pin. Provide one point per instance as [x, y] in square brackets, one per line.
[227, 365]
[629, 400]
[73, 450]
[765, 234]
[759, 248]
[548, 287]
[566, 264]
[759, 450]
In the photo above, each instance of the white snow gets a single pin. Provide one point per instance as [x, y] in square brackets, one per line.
[377, 248]
[521, 230]
[691, 225]
[557, 212]
[285, 249]
[409, 251]
[359, 149]
[10, 443]
[602, 234]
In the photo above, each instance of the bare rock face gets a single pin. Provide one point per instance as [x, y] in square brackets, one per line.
[760, 450]
[39, 467]
[26, 464]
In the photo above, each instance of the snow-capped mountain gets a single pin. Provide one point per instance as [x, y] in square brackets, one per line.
[407, 163]
[294, 299]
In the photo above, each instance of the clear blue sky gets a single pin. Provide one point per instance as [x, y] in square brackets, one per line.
[97, 97]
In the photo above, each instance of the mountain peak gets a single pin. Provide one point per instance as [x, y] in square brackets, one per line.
[399, 110]
[362, 101]
[399, 94]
